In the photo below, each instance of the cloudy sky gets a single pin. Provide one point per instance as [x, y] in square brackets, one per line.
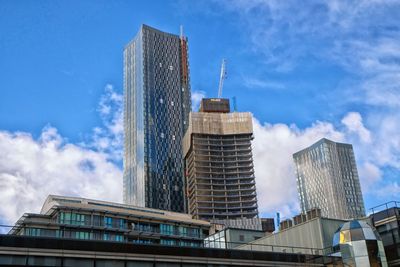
[306, 70]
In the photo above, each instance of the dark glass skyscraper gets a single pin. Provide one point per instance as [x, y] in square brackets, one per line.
[156, 109]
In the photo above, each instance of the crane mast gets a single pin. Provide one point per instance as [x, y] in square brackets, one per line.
[222, 78]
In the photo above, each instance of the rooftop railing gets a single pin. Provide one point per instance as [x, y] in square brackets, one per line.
[210, 244]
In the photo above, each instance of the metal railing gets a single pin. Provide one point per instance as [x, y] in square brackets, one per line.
[209, 244]
[385, 206]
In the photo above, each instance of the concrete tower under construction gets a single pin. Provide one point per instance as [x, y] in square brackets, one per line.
[219, 164]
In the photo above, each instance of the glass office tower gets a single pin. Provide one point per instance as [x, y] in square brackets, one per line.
[327, 178]
[156, 109]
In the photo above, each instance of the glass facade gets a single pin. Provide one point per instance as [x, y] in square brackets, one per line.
[156, 109]
[327, 178]
[91, 226]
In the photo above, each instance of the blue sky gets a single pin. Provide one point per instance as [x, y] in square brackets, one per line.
[306, 71]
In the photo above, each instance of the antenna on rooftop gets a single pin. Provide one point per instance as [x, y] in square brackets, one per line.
[222, 78]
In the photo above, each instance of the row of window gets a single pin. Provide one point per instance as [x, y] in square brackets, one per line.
[111, 222]
[22, 260]
[168, 229]
[86, 235]
[83, 219]
[96, 235]
[173, 242]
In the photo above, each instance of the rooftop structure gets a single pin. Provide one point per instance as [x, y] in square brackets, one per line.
[303, 234]
[327, 178]
[216, 105]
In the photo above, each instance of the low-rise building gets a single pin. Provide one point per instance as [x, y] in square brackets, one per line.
[80, 218]
[306, 233]
[386, 219]
[232, 237]
[46, 251]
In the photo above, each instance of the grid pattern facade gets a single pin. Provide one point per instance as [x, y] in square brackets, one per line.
[87, 219]
[327, 178]
[157, 105]
[219, 167]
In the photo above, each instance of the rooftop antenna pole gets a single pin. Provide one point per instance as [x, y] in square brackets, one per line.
[222, 78]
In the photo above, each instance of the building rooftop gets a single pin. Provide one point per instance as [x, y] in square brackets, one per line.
[54, 201]
[318, 143]
[216, 105]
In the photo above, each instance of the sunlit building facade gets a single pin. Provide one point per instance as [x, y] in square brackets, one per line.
[327, 178]
[156, 110]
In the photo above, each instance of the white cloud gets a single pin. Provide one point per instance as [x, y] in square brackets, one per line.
[197, 96]
[31, 169]
[354, 124]
[109, 138]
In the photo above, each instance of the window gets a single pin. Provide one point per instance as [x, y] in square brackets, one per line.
[72, 218]
[97, 220]
[106, 236]
[33, 231]
[169, 242]
[122, 224]
[119, 238]
[82, 235]
[108, 221]
[241, 237]
[167, 229]
[171, 67]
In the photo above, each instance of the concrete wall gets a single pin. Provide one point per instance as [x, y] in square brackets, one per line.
[316, 233]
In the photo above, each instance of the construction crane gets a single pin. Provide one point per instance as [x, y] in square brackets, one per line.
[222, 78]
